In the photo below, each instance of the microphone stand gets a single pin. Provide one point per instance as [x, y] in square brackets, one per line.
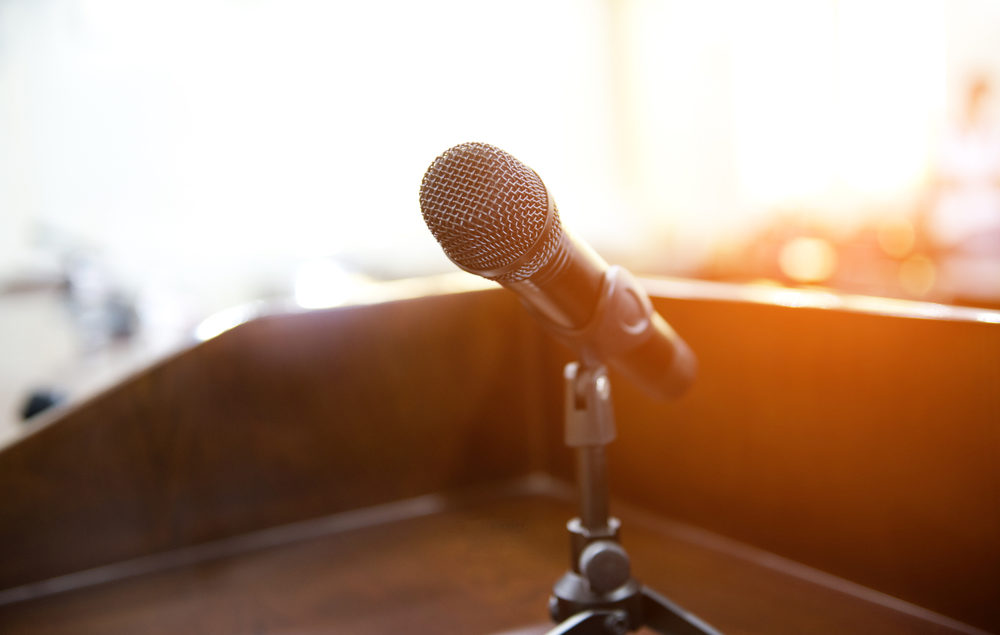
[598, 595]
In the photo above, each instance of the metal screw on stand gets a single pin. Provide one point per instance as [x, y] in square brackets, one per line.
[605, 565]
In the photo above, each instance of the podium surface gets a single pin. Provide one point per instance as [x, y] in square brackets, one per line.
[399, 467]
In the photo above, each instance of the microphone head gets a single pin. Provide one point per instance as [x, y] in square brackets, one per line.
[490, 212]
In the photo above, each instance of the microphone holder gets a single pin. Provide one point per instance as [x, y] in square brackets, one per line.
[598, 595]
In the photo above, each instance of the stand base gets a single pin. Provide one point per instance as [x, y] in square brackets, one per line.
[627, 608]
[598, 595]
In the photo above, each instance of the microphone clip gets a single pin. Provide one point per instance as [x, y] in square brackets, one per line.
[621, 321]
[626, 333]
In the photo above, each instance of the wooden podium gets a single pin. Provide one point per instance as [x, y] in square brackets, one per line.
[398, 467]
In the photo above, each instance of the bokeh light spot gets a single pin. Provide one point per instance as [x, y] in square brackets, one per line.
[808, 259]
[896, 237]
[917, 274]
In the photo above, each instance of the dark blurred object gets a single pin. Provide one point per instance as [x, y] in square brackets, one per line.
[40, 400]
[31, 283]
[102, 310]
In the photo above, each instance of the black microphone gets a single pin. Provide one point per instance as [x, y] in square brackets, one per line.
[494, 217]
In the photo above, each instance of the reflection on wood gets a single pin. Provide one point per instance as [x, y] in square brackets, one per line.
[281, 419]
[861, 444]
[483, 566]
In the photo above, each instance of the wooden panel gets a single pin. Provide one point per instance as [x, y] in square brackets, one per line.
[283, 418]
[480, 567]
[864, 445]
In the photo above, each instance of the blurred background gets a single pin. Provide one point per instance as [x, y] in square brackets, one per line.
[161, 161]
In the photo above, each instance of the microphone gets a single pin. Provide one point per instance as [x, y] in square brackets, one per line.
[495, 218]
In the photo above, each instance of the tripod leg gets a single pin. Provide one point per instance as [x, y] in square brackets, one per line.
[593, 623]
[663, 616]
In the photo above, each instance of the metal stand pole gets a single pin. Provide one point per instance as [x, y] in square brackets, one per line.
[598, 595]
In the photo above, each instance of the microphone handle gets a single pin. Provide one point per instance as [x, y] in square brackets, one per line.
[605, 315]
[567, 289]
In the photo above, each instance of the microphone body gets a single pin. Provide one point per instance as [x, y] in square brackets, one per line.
[566, 289]
[494, 218]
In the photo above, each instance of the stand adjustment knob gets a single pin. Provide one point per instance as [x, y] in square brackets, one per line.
[605, 565]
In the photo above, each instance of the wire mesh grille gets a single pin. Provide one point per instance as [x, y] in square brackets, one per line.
[487, 209]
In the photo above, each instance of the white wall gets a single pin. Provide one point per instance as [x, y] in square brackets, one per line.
[210, 145]
[206, 142]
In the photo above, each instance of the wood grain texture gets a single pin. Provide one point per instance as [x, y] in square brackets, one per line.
[864, 445]
[483, 567]
[280, 419]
